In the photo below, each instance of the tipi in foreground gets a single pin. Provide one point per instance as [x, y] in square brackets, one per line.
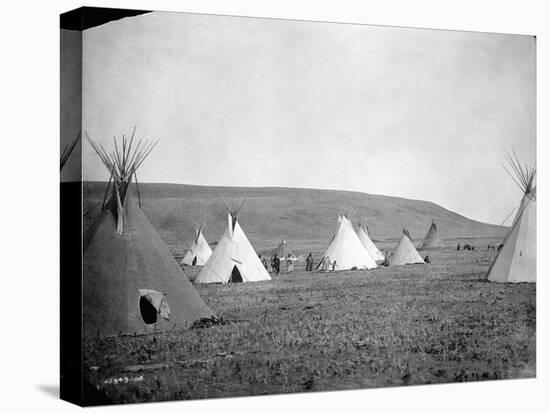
[131, 282]
[431, 241]
[199, 252]
[363, 234]
[346, 248]
[234, 259]
[517, 260]
[405, 253]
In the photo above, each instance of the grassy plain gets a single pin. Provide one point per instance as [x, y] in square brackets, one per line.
[313, 331]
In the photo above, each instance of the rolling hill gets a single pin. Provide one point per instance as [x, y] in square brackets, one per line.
[306, 218]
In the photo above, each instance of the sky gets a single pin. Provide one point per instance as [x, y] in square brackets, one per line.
[234, 101]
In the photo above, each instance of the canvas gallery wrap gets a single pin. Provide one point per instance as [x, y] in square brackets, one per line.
[263, 206]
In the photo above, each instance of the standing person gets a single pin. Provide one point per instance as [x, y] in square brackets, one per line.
[386, 260]
[289, 264]
[458, 246]
[264, 262]
[326, 264]
[276, 264]
[334, 265]
[309, 263]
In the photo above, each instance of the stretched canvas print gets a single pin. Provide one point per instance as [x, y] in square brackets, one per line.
[262, 206]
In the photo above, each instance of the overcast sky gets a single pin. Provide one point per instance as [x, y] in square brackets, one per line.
[235, 101]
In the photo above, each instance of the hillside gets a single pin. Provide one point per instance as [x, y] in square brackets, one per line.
[306, 218]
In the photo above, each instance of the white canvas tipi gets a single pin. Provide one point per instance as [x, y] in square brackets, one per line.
[405, 252]
[517, 261]
[363, 234]
[234, 259]
[346, 248]
[199, 252]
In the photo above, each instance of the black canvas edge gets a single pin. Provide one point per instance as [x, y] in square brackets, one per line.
[70, 259]
[87, 17]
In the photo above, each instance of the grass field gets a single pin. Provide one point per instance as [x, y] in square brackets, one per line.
[312, 331]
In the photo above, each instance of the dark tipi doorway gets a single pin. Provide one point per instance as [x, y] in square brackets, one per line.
[147, 310]
[235, 276]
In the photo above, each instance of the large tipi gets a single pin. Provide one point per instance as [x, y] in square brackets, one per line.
[431, 241]
[346, 248]
[405, 253]
[199, 252]
[131, 282]
[363, 234]
[517, 260]
[234, 259]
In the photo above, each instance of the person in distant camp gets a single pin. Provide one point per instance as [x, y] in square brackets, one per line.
[276, 264]
[309, 263]
[458, 246]
[334, 265]
[427, 259]
[264, 262]
[289, 263]
[326, 264]
[386, 262]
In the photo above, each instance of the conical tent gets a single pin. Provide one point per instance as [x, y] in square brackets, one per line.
[431, 241]
[517, 260]
[283, 250]
[346, 248]
[234, 259]
[199, 252]
[131, 282]
[405, 253]
[363, 234]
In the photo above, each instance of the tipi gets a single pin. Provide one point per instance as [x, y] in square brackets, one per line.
[346, 248]
[283, 250]
[517, 260]
[234, 259]
[363, 234]
[131, 282]
[431, 241]
[405, 253]
[199, 252]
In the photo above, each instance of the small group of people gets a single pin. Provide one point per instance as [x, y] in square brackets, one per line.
[328, 265]
[276, 263]
[466, 246]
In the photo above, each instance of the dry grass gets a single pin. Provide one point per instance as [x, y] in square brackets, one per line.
[417, 324]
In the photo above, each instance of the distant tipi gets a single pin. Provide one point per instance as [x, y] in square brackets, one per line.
[517, 260]
[431, 241]
[363, 234]
[346, 248]
[405, 253]
[234, 259]
[199, 252]
[131, 282]
[283, 250]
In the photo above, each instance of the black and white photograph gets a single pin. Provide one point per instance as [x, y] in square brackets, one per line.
[273, 206]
